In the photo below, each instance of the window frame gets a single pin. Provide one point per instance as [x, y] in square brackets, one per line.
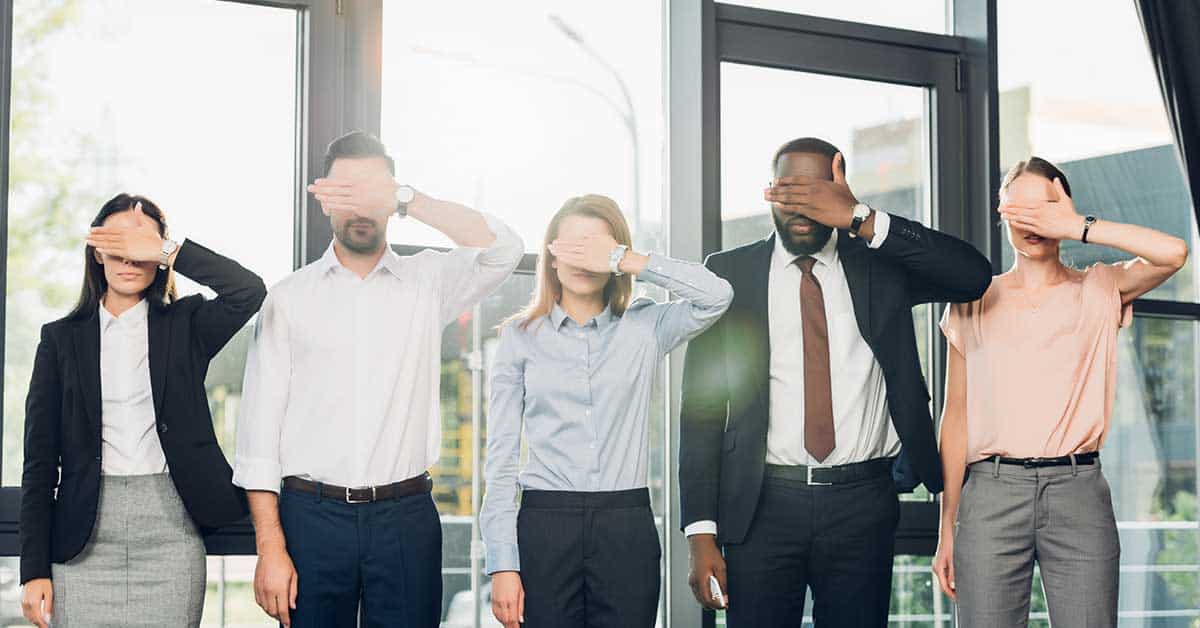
[338, 43]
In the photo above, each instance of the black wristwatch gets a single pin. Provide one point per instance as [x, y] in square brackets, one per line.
[861, 213]
[1088, 221]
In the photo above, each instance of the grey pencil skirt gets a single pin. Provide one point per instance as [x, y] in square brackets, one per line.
[143, 566]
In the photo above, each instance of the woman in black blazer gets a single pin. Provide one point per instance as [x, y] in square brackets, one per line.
[122, 467]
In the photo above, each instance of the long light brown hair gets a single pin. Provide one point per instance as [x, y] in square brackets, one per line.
[617, 292]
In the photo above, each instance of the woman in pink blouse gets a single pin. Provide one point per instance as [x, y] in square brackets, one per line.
[1029, 391]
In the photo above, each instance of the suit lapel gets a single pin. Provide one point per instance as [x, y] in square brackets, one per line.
[159, 328]
[87, 365]
[857, 267]
[755, 276]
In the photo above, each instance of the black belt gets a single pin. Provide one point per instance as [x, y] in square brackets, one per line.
[362, 495]
[1058, 461]
[840, 474]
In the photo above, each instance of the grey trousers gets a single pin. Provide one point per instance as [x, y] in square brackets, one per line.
[143, 566]
[1061, 517]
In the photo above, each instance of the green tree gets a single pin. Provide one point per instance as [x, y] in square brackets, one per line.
[47, 211]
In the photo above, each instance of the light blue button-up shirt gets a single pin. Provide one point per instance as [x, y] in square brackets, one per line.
[582, 394]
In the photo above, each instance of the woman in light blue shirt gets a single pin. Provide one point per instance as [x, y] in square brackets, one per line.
[574, 371]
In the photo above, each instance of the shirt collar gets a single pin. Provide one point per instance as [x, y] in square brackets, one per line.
[133, 315]
[827, 256]
[558, 316]
[328, 262]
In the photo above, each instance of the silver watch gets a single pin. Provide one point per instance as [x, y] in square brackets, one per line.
[168, 247]
[404, 195]
[614, 259]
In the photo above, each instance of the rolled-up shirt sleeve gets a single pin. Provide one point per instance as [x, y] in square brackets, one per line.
[470, 274]
[257, 465]
[506, 408]
[702, 297]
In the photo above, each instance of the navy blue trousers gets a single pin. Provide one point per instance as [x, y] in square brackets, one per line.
[386, 555]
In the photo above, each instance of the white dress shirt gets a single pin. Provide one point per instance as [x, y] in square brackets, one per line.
[129, 442]
[862, 425]
[342, 381]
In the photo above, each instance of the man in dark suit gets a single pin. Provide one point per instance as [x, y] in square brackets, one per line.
[797, 403]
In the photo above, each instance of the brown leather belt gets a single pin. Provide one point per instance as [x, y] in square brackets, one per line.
[362, 495]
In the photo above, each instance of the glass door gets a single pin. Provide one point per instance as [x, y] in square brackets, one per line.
[895, 109]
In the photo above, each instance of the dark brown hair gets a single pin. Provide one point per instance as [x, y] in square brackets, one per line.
[1038, 166]
[159, 293]
[356, 144]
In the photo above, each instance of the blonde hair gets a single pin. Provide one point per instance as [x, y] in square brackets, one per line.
[617, 292]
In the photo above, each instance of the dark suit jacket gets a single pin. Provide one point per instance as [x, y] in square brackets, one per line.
[726, 405]
[62, 412]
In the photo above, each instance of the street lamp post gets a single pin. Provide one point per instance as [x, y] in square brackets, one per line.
[628, 113]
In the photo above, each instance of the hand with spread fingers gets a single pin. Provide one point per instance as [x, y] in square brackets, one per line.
[373, 196]
[141, 243]
[830, 203]
[1055, 219]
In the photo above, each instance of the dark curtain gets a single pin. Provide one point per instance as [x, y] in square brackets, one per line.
[1172, 30]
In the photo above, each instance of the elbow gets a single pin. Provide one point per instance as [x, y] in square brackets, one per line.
[1178, 255]
[258, 293]
[724, 296]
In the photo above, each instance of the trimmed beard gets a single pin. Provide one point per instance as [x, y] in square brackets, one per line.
[805, 245]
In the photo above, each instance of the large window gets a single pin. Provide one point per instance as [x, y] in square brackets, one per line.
[113, 96]
[1088, 100]
[512, 108]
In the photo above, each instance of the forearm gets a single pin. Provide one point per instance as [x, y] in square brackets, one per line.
[463, 225]
[945, 268]
[1157, 248]
[268, 531]
[954, 455]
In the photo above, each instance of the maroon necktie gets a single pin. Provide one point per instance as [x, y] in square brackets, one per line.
[818, 390]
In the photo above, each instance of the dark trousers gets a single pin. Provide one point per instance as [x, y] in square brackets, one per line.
[589, 560]
[837, 540]
[386, 554]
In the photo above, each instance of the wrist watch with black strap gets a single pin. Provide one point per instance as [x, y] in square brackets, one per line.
[862, 212]
[404, 195]
[1088, 221]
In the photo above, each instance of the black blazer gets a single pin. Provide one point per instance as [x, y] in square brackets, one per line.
[725, 409]
[62, 412]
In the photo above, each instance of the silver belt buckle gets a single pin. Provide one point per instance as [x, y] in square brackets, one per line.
[810, 481]
[351, 500]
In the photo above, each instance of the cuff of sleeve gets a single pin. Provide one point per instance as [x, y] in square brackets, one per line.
[502, 557]
[700, 527]
[257, 474]
[883, 222]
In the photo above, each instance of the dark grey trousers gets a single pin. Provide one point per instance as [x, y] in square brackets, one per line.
[1061, 517]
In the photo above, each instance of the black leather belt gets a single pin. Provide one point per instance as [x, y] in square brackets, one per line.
[1058, 461]
[825, 476]
[362, 495]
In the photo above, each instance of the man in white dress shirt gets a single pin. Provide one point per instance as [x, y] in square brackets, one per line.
[805, 409]
[340, 418]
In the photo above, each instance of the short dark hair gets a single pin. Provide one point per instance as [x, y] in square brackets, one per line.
[811, 145]
[357, 144]
[1038, 166]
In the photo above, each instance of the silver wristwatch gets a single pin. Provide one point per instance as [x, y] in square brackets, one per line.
[862, 212]
[404, 195]
[614, 259]
[168, 247]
